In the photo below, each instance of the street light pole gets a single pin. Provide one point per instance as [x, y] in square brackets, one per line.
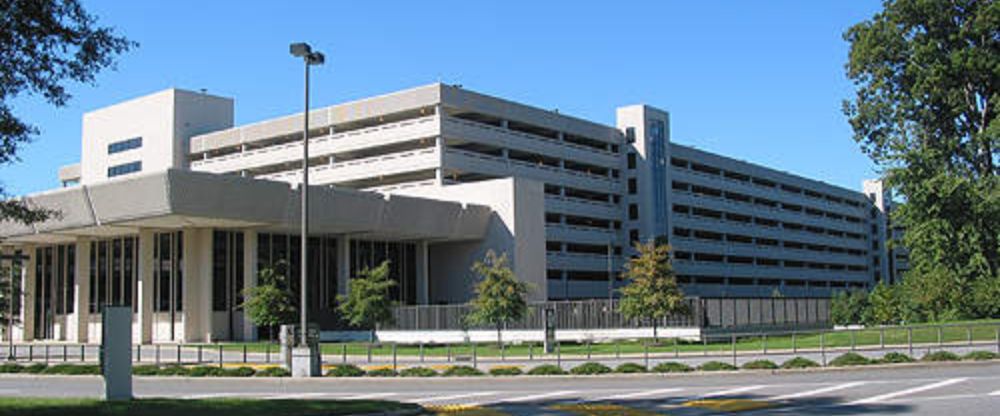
[309, 58]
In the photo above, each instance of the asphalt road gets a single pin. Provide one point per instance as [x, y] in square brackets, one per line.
[968, 388]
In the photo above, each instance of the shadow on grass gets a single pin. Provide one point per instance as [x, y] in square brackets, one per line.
[26, 406]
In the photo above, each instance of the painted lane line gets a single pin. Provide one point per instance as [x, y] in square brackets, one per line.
[646, 393]
[450, 397]
[918, 389]
[732, 391]
[996, 393]
[366, 396]
[534, 397]
[809, 393]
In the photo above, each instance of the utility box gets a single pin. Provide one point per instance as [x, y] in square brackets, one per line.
[116, 352]
[550, 330]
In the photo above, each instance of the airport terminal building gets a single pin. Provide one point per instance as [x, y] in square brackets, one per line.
[173, 210]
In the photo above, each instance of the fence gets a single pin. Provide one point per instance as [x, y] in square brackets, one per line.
[604, 314]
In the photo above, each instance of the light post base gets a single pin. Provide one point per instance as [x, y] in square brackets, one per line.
[306, 361]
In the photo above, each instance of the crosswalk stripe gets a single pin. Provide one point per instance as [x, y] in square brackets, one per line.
[893, 395]
[819, 391]
[449, 397]
[538, 396]
[732, 391]
[638, 394]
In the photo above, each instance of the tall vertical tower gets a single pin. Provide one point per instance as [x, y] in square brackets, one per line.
[647, 182]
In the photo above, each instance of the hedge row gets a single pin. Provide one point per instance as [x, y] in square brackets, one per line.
[590, 368]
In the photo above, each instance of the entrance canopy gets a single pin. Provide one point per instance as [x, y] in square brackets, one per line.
[176, 199]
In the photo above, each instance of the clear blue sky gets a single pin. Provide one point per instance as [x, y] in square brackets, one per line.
[759, 81]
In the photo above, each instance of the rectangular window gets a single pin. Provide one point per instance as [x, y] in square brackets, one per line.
[633, 212]
[633, 186]
[124, 169]
[631, 160]
[123, 145]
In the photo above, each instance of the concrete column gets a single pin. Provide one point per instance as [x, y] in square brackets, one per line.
[197, 296]
[28, 295]
[79, 321]
[249, 278]
[439, 155]
[144, 289]
[423, 274]
[343, 263]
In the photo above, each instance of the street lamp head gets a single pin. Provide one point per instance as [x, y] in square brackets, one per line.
[316, 58]
[300, 49]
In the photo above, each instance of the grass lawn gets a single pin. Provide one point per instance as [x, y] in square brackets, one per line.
[977, 330]
[170, 407]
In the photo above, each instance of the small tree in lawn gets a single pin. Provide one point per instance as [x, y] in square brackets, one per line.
[651, 293]
[271, 303]
[367, 303]
[500, 296]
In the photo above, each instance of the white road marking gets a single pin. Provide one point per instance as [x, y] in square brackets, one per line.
[450, 397]
[637, 394]
[996, 393]
[918, 389]
[538, 396]
[732, 391]
[366, 396]
[819, 391]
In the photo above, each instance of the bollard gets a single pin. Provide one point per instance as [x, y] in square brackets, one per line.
[588, 346]
[733, 338]
[618, 350]
[178, 353]
[998, 337]
[558, 355]
[369, 345]
[940, 339]
[909, 339]
[677, 351]
[794, 347]
[881, 338]
[763, 339]
[853, 342]
[200, 353]
[245, 348]
[267, 353]
[968, 335]
[65, 346]
[449, 353]
[475, 356]
[421, 352]
[157, 354]
[31, 348]
[822, 346]
[503, 352]
[531, 352]
[221, 356]
[83, 353]
[393, 353]
[704, 345]
[46, 354]
[645, 354]
[343, 351]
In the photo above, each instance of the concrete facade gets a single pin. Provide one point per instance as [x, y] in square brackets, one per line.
[432, 177]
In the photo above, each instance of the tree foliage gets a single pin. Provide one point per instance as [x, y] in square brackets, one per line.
[271, 302]
[367, 303]
[651, 292]
[500, 298]
[848, 307]
[927, 75]
[885, 306]
[44, 45]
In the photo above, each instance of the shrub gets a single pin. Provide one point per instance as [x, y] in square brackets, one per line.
[238, 372]
[72, 369]
[895, 358]
[381, 372]
[506, 370]
[760, 365]
[35, 368]
[10, 368]
[590, 369]
[272, 372]
[418, 372]
[628, 368]
[799, 362]
[345, 370]
[173, 370]
[850, 359]
[716, 366]
[981, 356]
[145, 370]
[205, 371]
[941, 356]
[672, 367]
[461, 371]
[546, 370]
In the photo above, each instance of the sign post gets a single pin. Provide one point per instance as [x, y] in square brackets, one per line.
[550, 330]
[116, 352]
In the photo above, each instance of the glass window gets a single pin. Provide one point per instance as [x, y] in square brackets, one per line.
[124, 169]
[123, 145]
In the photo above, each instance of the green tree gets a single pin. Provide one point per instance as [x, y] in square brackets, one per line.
[927, 75]
[651, 292]
[847, 307]
[271, 302]
[367, 303]
[500, 296]
[885, 306]
[45, 44]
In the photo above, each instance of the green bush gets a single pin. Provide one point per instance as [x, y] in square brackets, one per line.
[760, 365]
[850, 359]
[381, 372]
[205, 371]
[981, 356]
[507, 370]
[173, 370]
[10, 368]
[799, 362]
[238, 372]
[35, 368]
[345, 370]
[546, 370]
[72, 369]
[716, 366]
[941, 356]
[629, 368]
[895, 358]
[461, 371]
[418, 372]
[590, 369]
[672, 367]
[272, 372]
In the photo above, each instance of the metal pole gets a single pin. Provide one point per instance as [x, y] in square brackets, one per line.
[733, 338]
[304, 255]
[822, 346]
[394, 357]
[909, 339]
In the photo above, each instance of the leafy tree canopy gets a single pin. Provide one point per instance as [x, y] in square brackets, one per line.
[651, 292]
[271, 302]
[367, 303]
[500, 296]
